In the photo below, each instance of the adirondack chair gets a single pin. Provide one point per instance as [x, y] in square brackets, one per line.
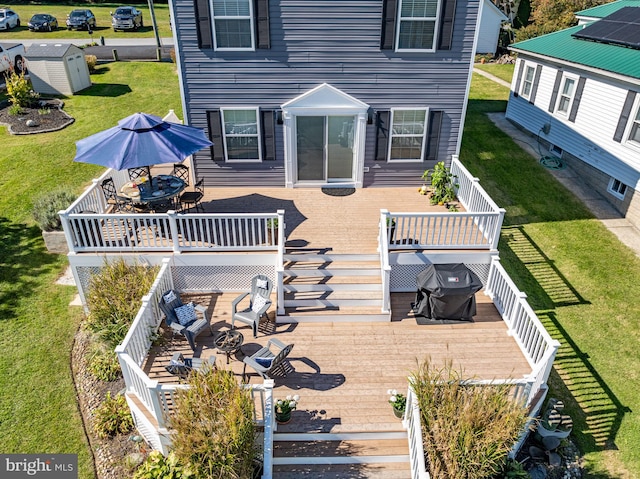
[259, 303]
[189, 329]
[267, 362]
[182, 367]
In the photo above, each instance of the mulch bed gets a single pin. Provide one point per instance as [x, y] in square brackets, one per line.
[44, 117]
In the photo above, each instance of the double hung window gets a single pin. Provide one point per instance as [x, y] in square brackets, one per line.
[408, 130]
[417, 21]
[241, 134]
[527, 83]
[566, 95]
[634, 132]
[617, 188]
[233, 24]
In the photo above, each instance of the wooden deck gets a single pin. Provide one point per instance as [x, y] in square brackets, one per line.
[342, 371]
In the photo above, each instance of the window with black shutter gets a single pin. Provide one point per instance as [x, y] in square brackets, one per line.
[382, 135]
[203, 24]
[624, 116]
[261, 8]
[268, 118]
[214, 122]
[433, 138]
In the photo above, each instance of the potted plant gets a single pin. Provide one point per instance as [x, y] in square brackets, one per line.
[284, 408]
[398, 402]
[272, 230]
[45, 214]
[553, 422]
[443, 185]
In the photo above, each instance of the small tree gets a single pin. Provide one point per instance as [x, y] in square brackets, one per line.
[443, 185]
[468, 429]
[213, 429]
[19, 90]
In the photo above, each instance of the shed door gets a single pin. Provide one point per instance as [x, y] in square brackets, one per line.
[77, 73]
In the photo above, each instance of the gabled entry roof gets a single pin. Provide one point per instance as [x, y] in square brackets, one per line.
[325, 96]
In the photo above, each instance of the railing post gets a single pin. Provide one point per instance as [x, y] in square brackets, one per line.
[385, 268]
[66, 227]
[173, 227]
[269, 419]
[498, 228]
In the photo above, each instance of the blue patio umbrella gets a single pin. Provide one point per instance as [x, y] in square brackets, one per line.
[141, 140]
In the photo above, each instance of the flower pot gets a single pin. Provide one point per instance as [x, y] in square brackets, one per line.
[399, 413]
[559, 433]
[283, 417]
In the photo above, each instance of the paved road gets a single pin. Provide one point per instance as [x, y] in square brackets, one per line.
[626, 232]
[119, 42]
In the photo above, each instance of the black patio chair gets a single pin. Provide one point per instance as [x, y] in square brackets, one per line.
[181, 171]
[139, 172]
[111, 196]
[192, 199]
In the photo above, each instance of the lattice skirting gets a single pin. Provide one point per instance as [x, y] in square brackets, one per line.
[403, 276]
[217, 278]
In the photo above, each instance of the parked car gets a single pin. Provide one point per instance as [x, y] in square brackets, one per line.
[43, 22]
[8, 19]
[81, 20]
[126, 18]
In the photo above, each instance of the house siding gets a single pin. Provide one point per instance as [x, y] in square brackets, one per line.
[590, 138]
[334, 42]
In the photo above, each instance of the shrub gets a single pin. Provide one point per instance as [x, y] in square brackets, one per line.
[46, 207]
[103, 365]
[112, 417]
[15, 110]
[19, 90]
[114, 297]
[156, 466]
[468, 429]
[213, 429]
[442, 184]
[91, 62]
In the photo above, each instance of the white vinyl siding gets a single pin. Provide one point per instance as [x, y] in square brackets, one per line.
[408, 130]
[241, 134]
[417, 21]
[233, 25]
[565, 95]
[527, 82]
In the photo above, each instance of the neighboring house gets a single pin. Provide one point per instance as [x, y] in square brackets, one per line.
[601, 11]
[299, 93]
[491, 21]
[578, 91]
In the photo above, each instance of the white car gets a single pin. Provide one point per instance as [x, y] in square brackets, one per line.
[8, 19]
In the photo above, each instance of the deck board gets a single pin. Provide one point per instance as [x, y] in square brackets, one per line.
[342, 371]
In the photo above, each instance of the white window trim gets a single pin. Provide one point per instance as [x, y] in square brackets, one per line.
[616, 192]
[524, 95]
[424, 134]
[632, 120]
[258, 134]
[565, 77]
[436, 30]
[251, 26]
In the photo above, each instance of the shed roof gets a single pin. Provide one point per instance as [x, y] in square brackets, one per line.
[562, 46]
[49, 50]
[602, 11]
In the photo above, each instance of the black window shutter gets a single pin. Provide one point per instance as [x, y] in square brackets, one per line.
[261, 8]
[534, 87]
[446, 24]
[624, 116]
[388, 33]
[554, 94]
[382, 135]
[433, 137]
[576, 99]
[203, 24]
[268, 134]
[519, 79]
[215, 134]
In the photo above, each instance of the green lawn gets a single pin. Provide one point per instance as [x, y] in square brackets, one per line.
[103, 19]
[38, 411]
[582, 282]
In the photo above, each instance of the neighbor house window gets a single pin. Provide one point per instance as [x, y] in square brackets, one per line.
[634, 132]
[417, 21]
[527, 84]
[408, 128]
[566, 95]
[617, 188]
[241, 139]
[233, 24]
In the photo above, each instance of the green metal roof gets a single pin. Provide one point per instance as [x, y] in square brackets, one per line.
[562, 46]
[602, 11]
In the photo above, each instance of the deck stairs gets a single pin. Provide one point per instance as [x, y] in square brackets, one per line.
[320, 286]
[374, 455]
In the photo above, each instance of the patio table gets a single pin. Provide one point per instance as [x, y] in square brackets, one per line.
[160, 189]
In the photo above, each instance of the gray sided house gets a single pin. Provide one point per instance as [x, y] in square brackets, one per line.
[333, 93]
[578, 92]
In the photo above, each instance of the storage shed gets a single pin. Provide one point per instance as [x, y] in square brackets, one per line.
[57, 69]
[491, 21]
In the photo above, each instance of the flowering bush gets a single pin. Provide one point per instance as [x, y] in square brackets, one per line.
[286, 405]
[397, 400]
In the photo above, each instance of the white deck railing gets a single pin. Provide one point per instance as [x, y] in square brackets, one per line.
[413, 423]
[384, 237]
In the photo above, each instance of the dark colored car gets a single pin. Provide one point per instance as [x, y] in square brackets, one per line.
[43, 22]
[126, 18]
[81, 20]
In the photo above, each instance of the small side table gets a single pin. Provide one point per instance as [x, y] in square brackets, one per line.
[229, 342]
